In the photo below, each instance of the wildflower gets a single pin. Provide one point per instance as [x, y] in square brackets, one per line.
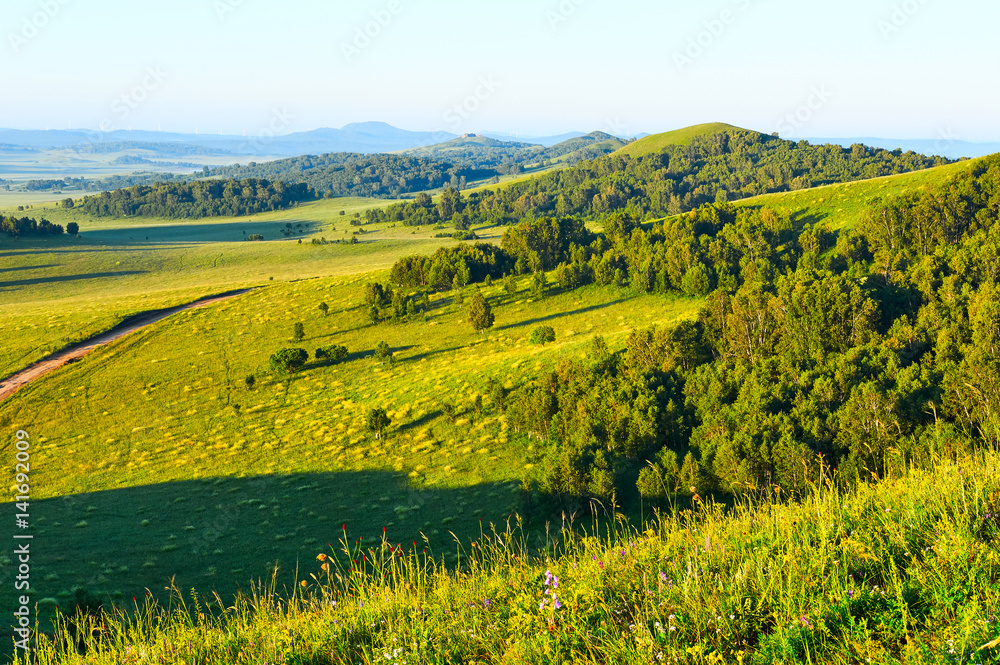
[555, 599]
[321, 557]
[805, 621]
[663, 576]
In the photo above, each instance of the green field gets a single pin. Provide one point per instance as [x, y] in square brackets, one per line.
[58, 290]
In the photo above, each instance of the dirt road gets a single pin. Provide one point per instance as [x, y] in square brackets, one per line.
[74, 353]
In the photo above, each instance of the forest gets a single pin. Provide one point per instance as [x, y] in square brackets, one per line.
[210, 198]
[726, 166]
[861, 351]
[350, 174]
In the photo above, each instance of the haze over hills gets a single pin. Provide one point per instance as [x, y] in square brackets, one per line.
[944, 146]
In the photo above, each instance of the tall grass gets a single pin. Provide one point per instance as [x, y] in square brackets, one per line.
[903, 571]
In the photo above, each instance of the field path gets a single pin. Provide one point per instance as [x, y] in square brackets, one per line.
[77, 351]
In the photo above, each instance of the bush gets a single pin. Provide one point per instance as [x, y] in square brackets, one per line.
[333, 353]
[480, 313]
[298, 333]
[289, 360]
[543, 335]
[73, 228]
[255, 237]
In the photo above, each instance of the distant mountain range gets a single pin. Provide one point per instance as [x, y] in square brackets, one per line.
[362, 137]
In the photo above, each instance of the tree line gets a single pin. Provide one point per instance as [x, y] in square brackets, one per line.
[210, 198]
[23, 226]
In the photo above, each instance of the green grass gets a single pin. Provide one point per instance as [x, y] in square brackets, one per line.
[844, 205]
[657, 142]
[58, 290]
[904, 571]
[144, 429]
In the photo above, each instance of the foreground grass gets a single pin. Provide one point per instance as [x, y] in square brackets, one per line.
[904, 571]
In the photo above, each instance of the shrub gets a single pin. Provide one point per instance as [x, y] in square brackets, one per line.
[480, 313]
[333, 353]
[543, 335]
[289, 360]
[298, 333]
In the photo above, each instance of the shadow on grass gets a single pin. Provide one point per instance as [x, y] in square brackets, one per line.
[559, 315]
[222, 534]
[70, 278]
[51, 265]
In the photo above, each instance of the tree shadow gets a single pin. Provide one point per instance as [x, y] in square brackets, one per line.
[70, 278]
[225, 533]
[51, 265]
[559, 315]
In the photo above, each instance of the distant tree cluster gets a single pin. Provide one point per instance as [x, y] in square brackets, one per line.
[862, 351]
[215, 198]
[24, 226]
[723, 167]
[351, 174]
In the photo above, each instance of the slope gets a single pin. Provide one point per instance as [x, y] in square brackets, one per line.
[657, 142]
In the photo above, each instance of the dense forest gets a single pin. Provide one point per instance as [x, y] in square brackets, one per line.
[211, 198]
[861, 351]
[24, 226]
[350, 174]
[727, 166]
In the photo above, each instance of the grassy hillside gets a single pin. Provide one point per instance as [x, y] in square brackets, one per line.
[657, 142]
[905, 571]
[188, 473]
[843, 205]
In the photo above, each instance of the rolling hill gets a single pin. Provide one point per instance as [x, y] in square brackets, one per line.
[657, 142]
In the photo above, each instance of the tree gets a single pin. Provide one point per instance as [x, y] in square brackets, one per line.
[510, 284]
[250, 381]
[480, 313]
[323, 307]
[67, 203]
[542, 335]
[374, 314]
[384, 353]
[377, 420]
[73, 228]
[289, 360]
[299, 333]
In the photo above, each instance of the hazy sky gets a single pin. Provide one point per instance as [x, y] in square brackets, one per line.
[820, 68]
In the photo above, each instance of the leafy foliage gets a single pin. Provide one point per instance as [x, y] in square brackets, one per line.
[289, 360]
[210, 198]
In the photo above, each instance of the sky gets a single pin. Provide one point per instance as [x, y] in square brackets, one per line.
[803, 68]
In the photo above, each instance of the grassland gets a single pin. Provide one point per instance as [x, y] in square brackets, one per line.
[56, 291]
[844, 205]
[904, 571]
[657, 142]
[154, 460]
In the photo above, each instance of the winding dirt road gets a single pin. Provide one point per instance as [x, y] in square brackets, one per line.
[77, 351]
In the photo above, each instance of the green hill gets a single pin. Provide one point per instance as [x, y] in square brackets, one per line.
[590, 146]
[657, 142]
[843, 205]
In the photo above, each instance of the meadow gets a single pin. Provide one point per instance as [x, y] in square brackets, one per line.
[155, 462]
[903, 571]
